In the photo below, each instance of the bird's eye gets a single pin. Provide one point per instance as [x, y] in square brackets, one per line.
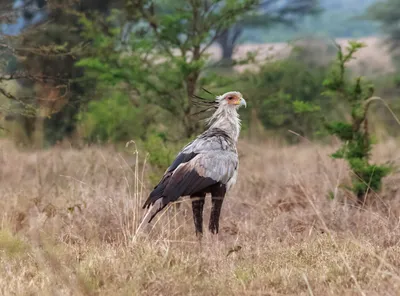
[230, 98]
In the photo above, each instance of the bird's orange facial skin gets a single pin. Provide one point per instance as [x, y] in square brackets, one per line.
[233, 100]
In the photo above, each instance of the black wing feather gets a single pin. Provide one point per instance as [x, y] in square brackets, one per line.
[181, 158]
[158, 190]
[185, 183]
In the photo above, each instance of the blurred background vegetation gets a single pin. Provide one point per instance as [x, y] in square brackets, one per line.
[107, 72]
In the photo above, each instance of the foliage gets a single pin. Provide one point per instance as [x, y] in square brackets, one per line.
[112, 119]
[117, 120]
[161, 153]
[286, 94]
[41, 60]
[159, 58]
[355, 137]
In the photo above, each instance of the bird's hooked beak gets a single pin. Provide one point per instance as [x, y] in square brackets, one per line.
[242, 102]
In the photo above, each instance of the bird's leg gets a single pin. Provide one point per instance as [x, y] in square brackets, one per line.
[215, 213]
[218, 194]
[197, 207]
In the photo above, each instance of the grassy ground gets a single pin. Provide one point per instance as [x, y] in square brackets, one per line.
[68, 220]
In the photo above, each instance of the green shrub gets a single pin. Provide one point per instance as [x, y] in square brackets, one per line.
[114, 119]
[161, 153]
[287, 96]
[355, 135]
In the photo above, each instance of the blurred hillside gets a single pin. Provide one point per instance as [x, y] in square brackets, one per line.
[372, 61]
[338, 19]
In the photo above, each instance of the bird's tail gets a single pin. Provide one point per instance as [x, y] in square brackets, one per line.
[153, 210]
[155, 195]
[157, 200]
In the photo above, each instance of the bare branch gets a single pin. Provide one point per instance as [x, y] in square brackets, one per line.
[37, 78]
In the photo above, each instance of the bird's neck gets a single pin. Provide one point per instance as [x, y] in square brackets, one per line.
[226, 119]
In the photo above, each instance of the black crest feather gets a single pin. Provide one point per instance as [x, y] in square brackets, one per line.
[203, 103]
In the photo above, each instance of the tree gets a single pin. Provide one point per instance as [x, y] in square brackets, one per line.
[15, 103]
[269, 12]
[355, 136]
[164, 61]
[44, 50]
[286, 93]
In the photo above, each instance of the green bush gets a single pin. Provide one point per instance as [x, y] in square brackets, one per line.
[114, 119]
[161, 153]
[355, 134]
[287, 96]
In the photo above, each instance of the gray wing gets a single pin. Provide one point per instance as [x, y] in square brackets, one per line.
[214, 140]
[202, 171]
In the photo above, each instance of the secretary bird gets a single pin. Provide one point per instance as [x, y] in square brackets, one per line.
[208, 164]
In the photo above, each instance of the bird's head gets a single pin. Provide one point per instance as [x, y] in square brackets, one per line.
[232, 99]
[228, 101]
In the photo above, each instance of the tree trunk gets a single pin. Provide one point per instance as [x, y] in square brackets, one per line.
[61, 124]
[226, 46]
[227, 41]
[227, 49]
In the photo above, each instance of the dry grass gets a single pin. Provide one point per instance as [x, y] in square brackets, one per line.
[69, 216]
